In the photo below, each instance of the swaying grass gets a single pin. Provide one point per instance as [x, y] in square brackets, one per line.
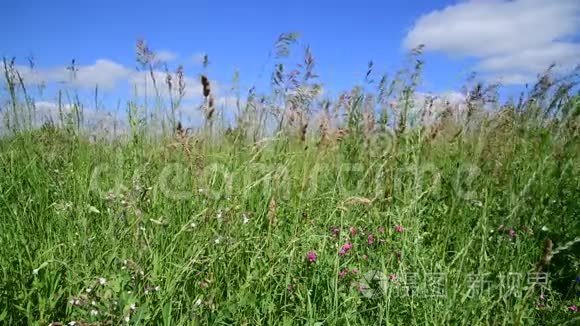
[446, 226]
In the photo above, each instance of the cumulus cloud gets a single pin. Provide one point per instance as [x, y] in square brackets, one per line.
[514, 39]
[107, 74]
[165, 56]
[104, 73]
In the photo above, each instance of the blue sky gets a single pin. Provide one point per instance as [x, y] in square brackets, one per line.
[511, 41]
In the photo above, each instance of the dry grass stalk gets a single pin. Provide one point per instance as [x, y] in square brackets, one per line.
[357, 201]
[546, 257]
[209, 107]
[272, 217]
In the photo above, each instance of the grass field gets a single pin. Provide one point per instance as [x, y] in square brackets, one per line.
[471, 219]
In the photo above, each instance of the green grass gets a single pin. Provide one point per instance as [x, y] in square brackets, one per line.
[75, 211]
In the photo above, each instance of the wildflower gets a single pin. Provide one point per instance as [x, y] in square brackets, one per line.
[198, 302]
[160, 221]
[245, 219]
[381, 229]
[399, 228]
[217, 240]
[335, 230]
[193, 225]
[392, 277]
[365, 257]
[127, 319]
[354, 271]
[370, 239]
[573, 308]
[93, 303]
[157, 288]
[512, 233]
[343, 273]
[35, 271]
[545, 228]
[219, 216]
[72, 323]
[353, 231]
[133, 307]
[88, 290]
[382, 241]
[102, 281]
[94, 312]
[311, 256]
[345, 249]
[94, 210]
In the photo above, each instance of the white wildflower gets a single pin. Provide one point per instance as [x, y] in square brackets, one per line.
[88, 290]
[246, 219]
[545, 228]
[72, 323]
[198, 302]
[102, 281]
[93, 209]
[94, 312]
[127, 319]
[133, 307]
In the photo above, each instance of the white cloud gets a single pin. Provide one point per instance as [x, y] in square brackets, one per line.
[165, 56]
[109, 75]
[535, 59]
[104, 73]
[515, 39]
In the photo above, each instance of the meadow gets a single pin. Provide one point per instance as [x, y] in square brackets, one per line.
[364, 209]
